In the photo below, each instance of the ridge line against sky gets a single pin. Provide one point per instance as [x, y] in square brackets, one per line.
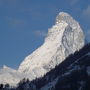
[24, 25]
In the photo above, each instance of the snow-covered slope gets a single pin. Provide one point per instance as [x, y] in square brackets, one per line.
[72, 74]
[63, 39]
[8, 75]
[11, 76]
[76, 77]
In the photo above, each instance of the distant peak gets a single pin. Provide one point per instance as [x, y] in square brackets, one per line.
[5, 67]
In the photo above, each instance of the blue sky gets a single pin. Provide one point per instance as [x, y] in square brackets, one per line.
[24, 24]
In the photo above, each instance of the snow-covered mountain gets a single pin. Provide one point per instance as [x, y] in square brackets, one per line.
[63, 39]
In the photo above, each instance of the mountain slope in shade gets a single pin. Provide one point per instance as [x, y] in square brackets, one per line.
[63, 39]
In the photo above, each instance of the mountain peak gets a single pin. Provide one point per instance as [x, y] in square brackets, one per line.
[63, 39]
[5, 67]
[63, 14]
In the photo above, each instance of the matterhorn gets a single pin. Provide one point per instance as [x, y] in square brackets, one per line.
[63, 38]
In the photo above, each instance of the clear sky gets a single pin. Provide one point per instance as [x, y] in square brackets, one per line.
[24, 24]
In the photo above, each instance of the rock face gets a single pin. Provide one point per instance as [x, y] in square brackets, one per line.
[63, 39]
